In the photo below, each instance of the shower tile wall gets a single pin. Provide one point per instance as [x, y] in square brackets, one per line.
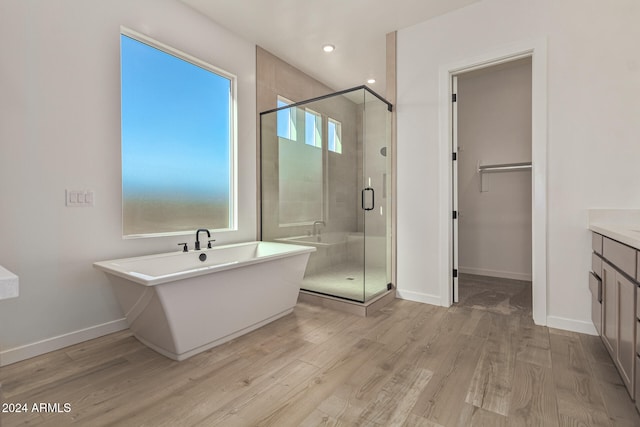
[342, 183]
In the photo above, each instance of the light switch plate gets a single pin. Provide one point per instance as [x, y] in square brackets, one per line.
[79, 198]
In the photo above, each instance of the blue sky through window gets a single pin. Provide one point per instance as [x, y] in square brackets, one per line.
[175, 126]
[176, 143]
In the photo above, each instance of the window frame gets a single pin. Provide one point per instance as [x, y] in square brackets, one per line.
[233, 133]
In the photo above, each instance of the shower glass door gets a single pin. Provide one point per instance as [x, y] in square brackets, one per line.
[325, 183]
[375, 194]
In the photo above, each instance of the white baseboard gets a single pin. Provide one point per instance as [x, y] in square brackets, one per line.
[495, 273]
[571, 325]
[28, 351]
[419, 297]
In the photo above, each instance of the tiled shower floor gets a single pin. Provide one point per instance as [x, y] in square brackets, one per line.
[346, 281]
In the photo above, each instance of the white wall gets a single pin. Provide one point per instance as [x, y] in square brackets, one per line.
[59, 129]
[494, 127]
[593, 107]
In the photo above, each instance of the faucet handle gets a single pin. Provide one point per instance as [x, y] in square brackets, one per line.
[209, 243]
[184, 247]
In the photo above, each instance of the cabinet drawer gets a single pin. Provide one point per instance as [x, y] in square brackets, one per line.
[596, 243]
[622, 256]
[596, 264]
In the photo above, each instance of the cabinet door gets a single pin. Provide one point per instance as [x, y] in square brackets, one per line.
[609, 308]
[638, 383]
[626, 330]
[596, 306]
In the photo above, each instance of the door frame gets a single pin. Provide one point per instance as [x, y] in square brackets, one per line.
[455, 296]
[537, 50]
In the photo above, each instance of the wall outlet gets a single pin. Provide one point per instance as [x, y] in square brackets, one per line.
[79, 198]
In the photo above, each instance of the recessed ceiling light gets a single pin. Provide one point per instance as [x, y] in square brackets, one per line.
[328, 48]
[371, 81]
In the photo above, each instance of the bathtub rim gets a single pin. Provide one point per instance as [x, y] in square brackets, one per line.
[303, 238]
[111, 266]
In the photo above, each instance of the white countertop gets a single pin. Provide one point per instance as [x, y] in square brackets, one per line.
[622, 225]
[8, 284]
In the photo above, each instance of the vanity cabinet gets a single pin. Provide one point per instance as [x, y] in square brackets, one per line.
[619, 310]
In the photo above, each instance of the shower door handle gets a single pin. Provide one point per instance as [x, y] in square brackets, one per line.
[373, 198]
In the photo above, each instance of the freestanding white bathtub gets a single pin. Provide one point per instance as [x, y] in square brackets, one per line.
[179, 305]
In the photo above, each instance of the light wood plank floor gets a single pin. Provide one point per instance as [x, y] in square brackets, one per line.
[408, 365]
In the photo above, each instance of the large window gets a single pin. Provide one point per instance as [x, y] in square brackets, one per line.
[177, 140]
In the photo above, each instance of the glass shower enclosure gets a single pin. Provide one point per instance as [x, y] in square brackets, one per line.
[326, 182]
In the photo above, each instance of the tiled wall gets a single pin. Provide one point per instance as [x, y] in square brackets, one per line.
[340, 206]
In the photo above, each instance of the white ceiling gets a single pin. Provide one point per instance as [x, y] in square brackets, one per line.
[296, 30]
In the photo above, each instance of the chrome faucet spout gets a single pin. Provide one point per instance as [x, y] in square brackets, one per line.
[198, 238]
[315, 226]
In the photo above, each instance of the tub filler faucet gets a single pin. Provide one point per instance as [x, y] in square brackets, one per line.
[315, 227]
[198, 238]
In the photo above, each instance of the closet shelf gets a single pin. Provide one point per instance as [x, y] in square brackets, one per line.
[506, 167]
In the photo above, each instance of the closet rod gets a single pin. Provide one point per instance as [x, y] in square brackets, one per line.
[504, 167]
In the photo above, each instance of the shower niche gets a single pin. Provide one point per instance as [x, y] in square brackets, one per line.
[326, 182]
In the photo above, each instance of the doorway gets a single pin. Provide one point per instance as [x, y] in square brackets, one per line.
[492, 186]
[537, 50]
